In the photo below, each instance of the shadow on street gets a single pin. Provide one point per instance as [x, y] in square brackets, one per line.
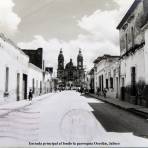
[114, 119]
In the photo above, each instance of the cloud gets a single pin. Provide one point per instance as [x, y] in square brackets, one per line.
[101, 25]
[8, 19]
[101, 37]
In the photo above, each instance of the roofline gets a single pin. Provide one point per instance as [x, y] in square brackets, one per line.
[128, 13]
[104, 57]
[4, 38]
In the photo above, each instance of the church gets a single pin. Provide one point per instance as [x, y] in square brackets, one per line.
[70, 75]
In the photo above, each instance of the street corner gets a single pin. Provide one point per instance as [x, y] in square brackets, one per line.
[78, 125]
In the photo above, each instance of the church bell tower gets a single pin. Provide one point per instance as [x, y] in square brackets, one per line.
[80, 60]
[60, 70]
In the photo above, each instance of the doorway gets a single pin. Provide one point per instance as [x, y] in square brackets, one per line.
[133, 81]
[24, 86]
[123, 89]
[18, 87]
[117, 87]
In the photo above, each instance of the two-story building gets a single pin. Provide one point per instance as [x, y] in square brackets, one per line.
[134, 53]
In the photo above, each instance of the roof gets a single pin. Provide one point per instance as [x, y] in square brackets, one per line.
[129, 12]
[35, 56]
[106, 56]
[4, 38]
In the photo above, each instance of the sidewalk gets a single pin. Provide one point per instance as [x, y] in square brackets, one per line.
[139, 110]
[9, 107]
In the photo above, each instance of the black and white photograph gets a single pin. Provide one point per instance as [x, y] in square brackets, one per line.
[73, 73]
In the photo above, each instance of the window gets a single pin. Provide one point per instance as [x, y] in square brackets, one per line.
[133, 81]
[111, 83]
[7, 79]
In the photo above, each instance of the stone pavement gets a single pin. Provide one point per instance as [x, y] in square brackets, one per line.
[139, 110]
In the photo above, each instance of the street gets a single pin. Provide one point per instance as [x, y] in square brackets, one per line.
[71, 117]
[114, 119]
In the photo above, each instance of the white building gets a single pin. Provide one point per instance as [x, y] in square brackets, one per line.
[106, 75]
[17, 73]
[134, 53]
[90, 80]
[13, 71]
[87, 80]
[47, 82]
[35, 80]
[39, 80]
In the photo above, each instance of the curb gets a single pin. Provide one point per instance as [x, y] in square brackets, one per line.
[108, 102]
[131, 110]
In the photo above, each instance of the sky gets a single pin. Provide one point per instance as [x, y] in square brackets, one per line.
[89, 25]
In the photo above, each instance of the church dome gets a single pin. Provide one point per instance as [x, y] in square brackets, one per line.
[69, 65]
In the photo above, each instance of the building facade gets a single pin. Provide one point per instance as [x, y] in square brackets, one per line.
[19, 72]
[106, 75]
[35, 80]
[90, 80]
[134, 57]
[39, 79]
[70, 75]
[14, 71]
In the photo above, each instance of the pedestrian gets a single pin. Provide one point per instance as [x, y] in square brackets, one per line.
[30, 95]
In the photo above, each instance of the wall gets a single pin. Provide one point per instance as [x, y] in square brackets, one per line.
[146, 55]
[36, 74]
[113, 71]
[48, 83]
[109, 68]
[17, 62]
[137, 60]
[135, 37]
[133, 54]
[99, 70]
